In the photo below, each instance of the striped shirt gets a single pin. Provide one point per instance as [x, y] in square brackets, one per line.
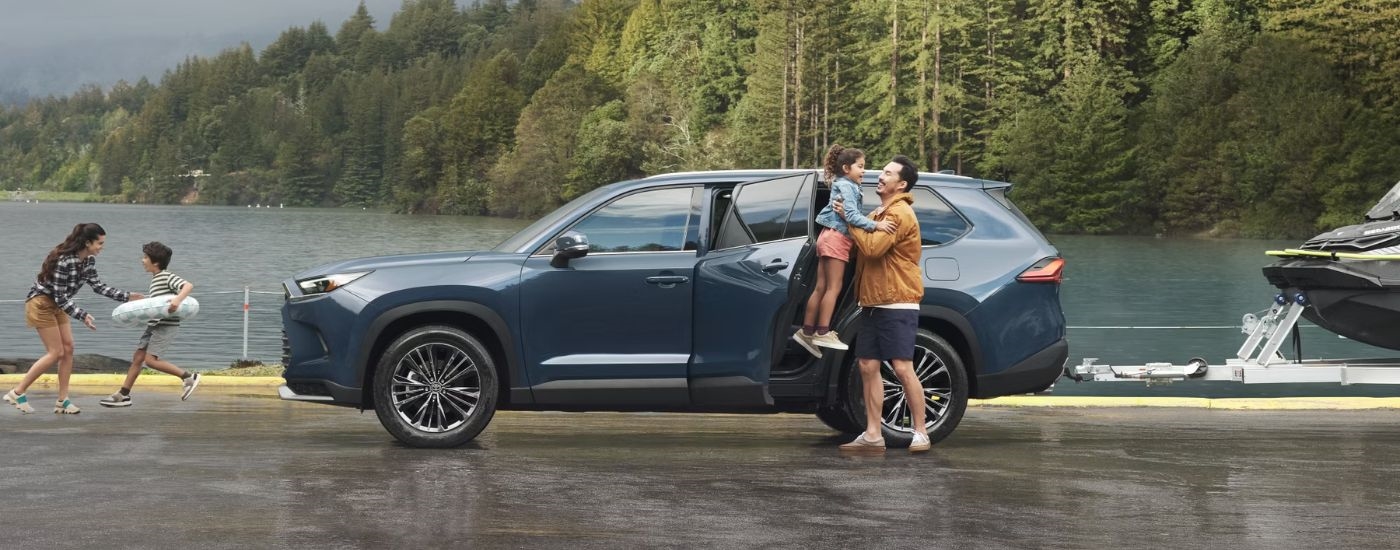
[68, 278]
[165, 283]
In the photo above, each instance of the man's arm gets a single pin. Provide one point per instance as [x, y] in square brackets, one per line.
[876, 243]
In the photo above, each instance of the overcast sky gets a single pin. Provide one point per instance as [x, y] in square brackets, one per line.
[54, 46]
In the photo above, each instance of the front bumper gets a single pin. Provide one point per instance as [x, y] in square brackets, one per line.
[286, 393]
[319, 340]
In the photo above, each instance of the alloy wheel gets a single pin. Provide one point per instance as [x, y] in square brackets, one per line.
[435, 387]
[937, 382]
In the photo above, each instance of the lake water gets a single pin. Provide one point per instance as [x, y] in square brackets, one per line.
[219, 249]
[1109, 282]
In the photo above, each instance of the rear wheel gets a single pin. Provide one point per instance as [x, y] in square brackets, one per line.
[435, 386]
[944, 379]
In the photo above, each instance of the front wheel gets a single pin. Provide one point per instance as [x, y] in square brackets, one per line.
[435, 386]
[944, 379]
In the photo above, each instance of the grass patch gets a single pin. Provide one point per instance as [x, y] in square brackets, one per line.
[257, 369]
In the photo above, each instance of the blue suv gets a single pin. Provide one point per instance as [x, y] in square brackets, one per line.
[677, 292]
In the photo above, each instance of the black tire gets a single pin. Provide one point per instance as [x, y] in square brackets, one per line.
[941, 372]
[435, 387]
[839, 418]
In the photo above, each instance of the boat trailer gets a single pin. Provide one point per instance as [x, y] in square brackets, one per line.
[1258, 361]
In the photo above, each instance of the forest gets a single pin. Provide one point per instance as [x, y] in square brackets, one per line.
[1250, 118]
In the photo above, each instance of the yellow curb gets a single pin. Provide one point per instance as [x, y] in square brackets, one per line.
[1231, 403]
[107, 380]
[1068, 401]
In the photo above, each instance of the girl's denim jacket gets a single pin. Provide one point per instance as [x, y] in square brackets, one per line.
[845, 189]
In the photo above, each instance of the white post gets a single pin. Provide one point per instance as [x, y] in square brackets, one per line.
[245, 323]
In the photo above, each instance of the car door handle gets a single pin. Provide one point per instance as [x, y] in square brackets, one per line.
[776, 266]
[667, 281]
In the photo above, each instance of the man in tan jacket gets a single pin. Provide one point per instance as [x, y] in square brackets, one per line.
[890, 287]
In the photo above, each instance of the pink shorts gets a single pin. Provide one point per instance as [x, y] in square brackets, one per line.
[832, 244]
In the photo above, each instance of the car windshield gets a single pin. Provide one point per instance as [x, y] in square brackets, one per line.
[522, 238]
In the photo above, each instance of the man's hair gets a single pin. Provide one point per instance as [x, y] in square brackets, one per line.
[908, 171]
[158, 253]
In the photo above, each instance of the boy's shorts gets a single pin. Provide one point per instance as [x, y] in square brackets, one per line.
[887, 334]
[832, 244]
[157, 340]
[42, 312]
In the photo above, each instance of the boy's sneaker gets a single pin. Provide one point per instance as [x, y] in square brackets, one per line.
[20, 401]
[829, 340]
[919, 444]
[861, 444]
[65, 407]
[805, 341]
[116, 400]
[190, 384]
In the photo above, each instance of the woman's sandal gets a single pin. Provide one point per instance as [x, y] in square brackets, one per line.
[20, 401]
[65, 407]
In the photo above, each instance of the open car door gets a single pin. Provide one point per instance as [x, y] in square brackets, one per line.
[744, 299]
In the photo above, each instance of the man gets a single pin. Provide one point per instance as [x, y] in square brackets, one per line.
[890, 287]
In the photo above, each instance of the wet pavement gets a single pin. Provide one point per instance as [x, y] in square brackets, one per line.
[228, 470]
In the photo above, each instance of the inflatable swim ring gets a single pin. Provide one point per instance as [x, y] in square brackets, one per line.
[140, 312]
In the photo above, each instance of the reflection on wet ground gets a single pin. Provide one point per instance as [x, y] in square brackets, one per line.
[229, 470]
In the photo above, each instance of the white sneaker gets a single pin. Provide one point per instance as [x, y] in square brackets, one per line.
[190, 384]
[829, 340]
[919, 444]
[806, 343]
[116, 400]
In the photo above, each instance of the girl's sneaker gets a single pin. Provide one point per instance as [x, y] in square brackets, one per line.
[116, 400]
[829, 340]
[66, 407]
[20, 402]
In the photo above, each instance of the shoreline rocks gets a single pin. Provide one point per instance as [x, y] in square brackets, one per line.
[82, 363]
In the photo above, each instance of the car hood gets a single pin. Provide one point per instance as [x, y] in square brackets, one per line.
[385, 262]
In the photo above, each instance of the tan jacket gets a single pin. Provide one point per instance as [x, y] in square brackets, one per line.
[887, 266]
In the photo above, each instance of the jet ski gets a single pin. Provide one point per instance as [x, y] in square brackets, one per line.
[1349, 278]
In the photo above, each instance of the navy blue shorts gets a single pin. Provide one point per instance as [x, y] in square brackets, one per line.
[887, 333]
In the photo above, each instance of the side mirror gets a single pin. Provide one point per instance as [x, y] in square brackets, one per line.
[569, 246]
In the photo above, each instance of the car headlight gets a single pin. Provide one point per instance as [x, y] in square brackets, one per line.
[321, 285]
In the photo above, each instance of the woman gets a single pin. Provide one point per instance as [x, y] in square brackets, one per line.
[67, 268]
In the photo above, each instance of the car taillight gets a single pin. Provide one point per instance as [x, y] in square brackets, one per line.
[1048, 270]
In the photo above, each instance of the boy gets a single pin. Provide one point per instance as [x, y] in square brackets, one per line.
[160, 333]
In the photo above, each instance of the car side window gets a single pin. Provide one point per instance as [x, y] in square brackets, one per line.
[939, 223]
[659, 220]
[768, 211]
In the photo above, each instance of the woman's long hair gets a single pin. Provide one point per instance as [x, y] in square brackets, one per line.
[83, 234]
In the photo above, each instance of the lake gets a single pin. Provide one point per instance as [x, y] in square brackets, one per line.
[1110, 282]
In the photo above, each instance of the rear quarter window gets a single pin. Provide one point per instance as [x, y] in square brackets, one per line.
[939, 222]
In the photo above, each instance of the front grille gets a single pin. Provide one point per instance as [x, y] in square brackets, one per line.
[286, 350]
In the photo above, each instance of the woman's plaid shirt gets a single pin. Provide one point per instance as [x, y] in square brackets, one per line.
[68, 279]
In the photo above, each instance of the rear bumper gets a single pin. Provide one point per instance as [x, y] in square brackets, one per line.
[1033, 374]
